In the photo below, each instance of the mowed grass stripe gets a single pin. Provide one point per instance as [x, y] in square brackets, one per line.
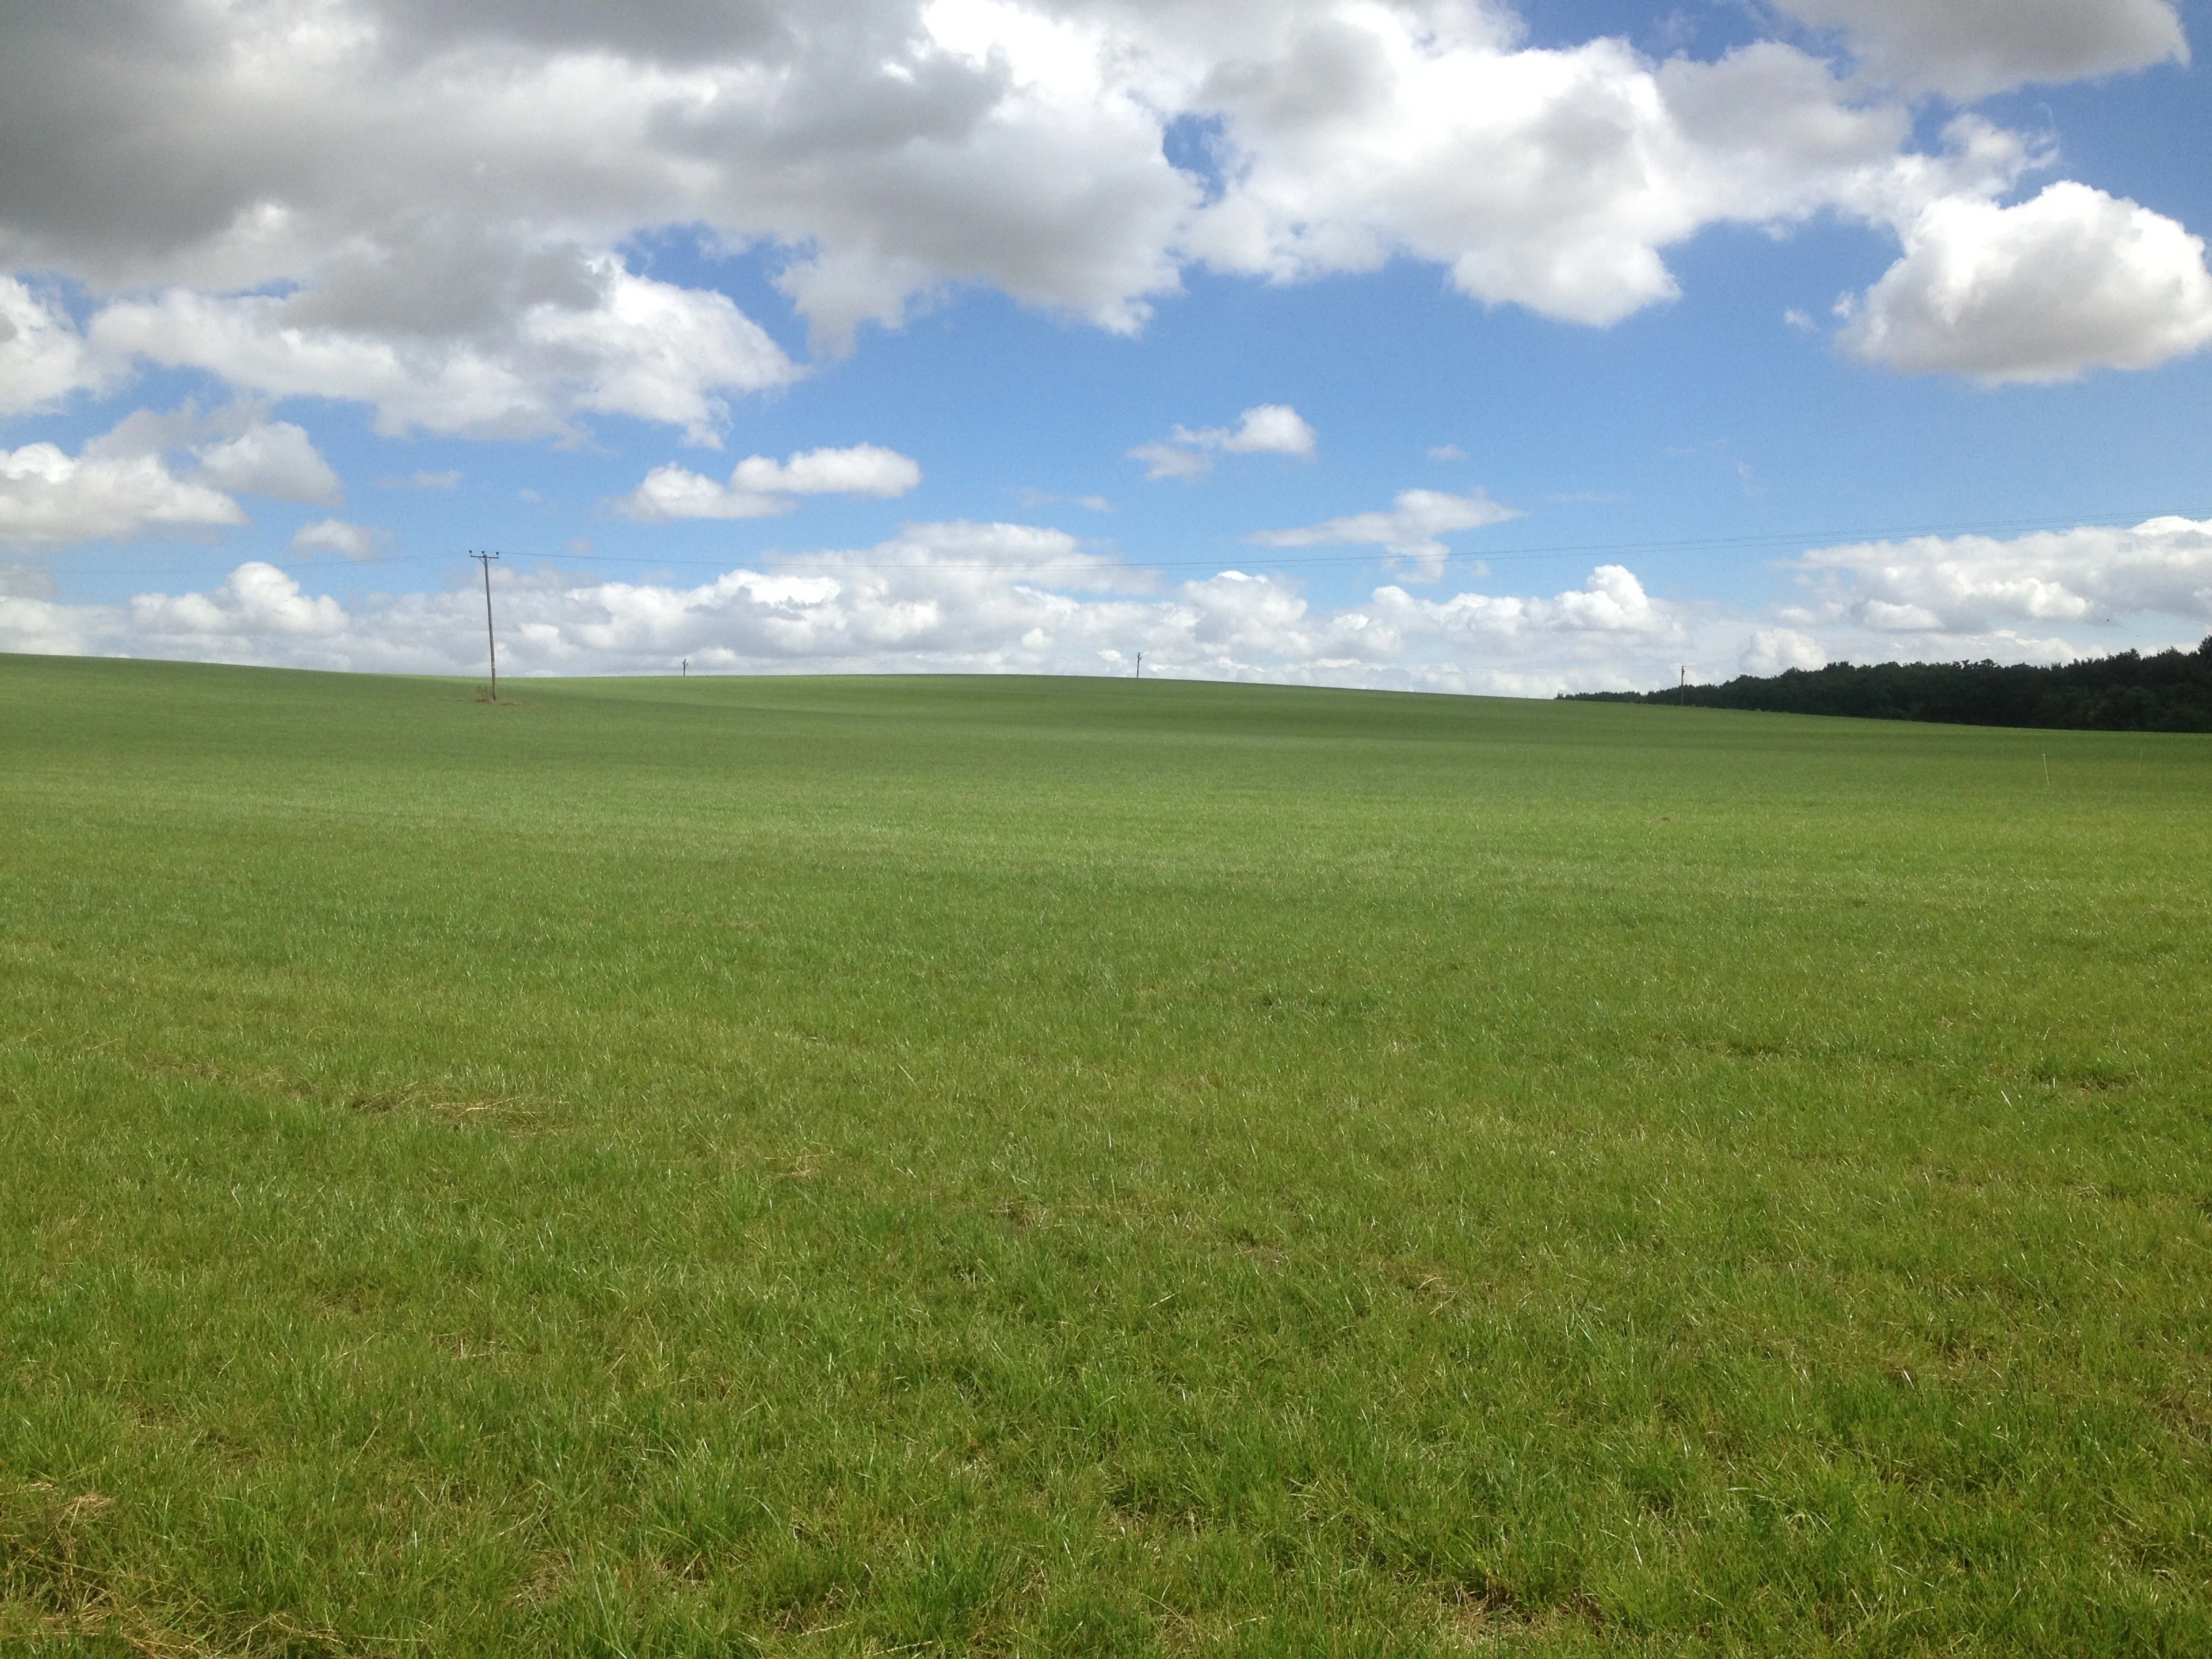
[1075, 1166]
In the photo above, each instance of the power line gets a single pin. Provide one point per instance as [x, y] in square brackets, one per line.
[796, 564]
[1102, 564]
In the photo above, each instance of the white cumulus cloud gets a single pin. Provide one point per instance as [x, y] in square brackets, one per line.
[1965, 587]
[671, 492]
[1970, 48]
[1263, 430]
[760, 487]
[1007, 598]
[43, 358]
[2045, 290]
[1411, 528]
[41, 627]
[427, 208]
[608, 342]
[960, 597]
[354, 541]
[1771, 651]
[271, 458]
[1612, 602]
[258, 606]
[48, 496]
[862, 470]
[128, 481]
[1550, 178]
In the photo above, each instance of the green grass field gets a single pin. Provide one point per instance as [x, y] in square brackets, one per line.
[1078, 1167]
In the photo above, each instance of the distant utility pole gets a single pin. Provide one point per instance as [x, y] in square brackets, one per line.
[1141, 665]
[491, 641]
[686, 674]
[1682, 687]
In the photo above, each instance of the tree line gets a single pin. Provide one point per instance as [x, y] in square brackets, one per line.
[2170, 691]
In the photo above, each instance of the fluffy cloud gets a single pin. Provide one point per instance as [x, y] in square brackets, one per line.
[760, 487]
[1969, 48]
[608, 342]
[1775, 650]
[671, 492]
[42, 357]
[423, 208]
[1613, 602]
[862, 470]
[2070, 280]
[1034, 498]
[1553, 180]
[30, 620]
[258, 603]
[959, 597]
[47, 496]
[271, 458]
[39, 626]
[1265, 429]
[127, 482]
[1411, 528]
[1006, 598]
[1927, 593]
[355, 541]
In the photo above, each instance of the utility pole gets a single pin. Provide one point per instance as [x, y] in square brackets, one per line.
[1141, 665]
[1682, 687]
[686, 673]
[491, 641]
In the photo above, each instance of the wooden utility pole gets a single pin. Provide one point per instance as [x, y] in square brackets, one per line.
[491, 640]
[1682, 687]
[1141, 665]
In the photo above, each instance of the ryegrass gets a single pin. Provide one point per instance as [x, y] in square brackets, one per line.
[818, 1166]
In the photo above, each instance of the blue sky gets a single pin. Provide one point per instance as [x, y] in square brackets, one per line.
[1459, 348]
